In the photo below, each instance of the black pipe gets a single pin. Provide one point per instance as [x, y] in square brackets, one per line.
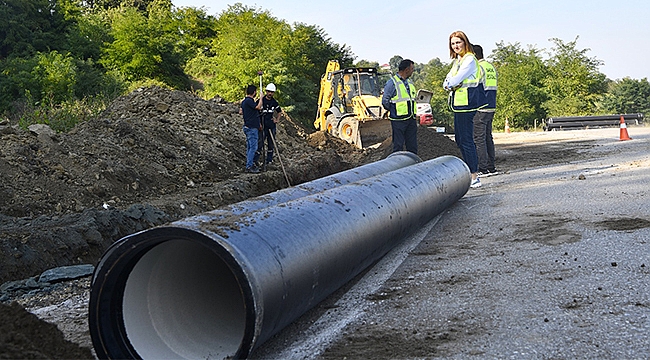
[590, 124]
[616, 118]
[199, 288]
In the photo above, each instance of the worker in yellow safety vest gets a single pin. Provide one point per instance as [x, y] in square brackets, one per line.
[466, 96]
[484, 116]
[399, 99]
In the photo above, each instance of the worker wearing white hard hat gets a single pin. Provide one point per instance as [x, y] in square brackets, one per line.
[270, 114]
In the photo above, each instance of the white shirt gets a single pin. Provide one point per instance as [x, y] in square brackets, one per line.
[467, 70]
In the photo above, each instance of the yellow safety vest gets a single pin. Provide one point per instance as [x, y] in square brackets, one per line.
[489, 80]
[470, 95]
[404, 99]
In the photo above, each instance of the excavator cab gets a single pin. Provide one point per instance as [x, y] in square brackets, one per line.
[354, 85]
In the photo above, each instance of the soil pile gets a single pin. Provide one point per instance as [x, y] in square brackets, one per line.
[152, 157]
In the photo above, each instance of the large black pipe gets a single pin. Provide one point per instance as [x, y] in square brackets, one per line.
[199, 288]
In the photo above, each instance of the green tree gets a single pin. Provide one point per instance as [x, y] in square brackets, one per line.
[249, 40]
[628, 96]
[394, 63]
[31, 26]
[306, 53]
[144, 47]
[91, 30]
[17, 80]
[140, 5]
[56, 75]
[197, 29]
[245, 44]
[573, 85]
[367, 64]
[521, 74]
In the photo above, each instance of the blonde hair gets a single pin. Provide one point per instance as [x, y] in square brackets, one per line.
[468, 48]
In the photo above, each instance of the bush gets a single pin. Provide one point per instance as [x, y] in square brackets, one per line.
[62, 117]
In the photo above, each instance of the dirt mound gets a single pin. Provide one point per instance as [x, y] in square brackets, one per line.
[148, 146]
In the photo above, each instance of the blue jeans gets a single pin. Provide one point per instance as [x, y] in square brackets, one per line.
[464, 134]
[405, 132]
[251, 145]
[483, 139]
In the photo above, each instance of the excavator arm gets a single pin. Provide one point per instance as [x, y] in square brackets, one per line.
[325, 95]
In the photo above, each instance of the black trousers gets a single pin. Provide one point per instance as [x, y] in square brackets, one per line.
[483, 140]
[405, 132]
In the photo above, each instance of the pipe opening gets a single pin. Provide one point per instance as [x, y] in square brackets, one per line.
[181, 300]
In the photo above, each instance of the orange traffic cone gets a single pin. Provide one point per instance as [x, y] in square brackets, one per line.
[624, 135]
[507, 127]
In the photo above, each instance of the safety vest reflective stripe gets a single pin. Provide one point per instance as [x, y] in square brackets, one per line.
[403, 98]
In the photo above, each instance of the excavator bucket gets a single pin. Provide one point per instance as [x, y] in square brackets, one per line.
[374, 132]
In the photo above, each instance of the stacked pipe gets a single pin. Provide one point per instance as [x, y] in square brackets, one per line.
[221, 283]
[582, 122]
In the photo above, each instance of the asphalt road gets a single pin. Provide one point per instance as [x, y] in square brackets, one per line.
[550, 259]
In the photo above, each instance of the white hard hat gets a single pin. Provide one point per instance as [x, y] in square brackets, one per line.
[270, 87]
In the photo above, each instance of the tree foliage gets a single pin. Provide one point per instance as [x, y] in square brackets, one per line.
[140, 5]
[144, 46]
[31, 26]
[520, 95]
[367, 63]
[60, 51]
[574, 85]
[430, 77]
[628, 96]
[245, 44]
[394, 63]
[250, 41]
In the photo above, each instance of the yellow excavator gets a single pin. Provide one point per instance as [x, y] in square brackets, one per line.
[349, 105]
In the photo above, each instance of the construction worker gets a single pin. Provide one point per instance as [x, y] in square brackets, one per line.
[270, 114]
[484, 116]
[250, 111]
[399, 99]
[466, 96]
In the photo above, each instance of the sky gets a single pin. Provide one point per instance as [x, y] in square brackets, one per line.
[615, 31]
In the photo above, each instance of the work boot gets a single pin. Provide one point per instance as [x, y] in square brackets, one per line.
[253, 169]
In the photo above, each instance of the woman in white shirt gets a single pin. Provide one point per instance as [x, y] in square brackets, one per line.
[466, 96]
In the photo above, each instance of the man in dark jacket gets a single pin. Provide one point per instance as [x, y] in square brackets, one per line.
[250, 111]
